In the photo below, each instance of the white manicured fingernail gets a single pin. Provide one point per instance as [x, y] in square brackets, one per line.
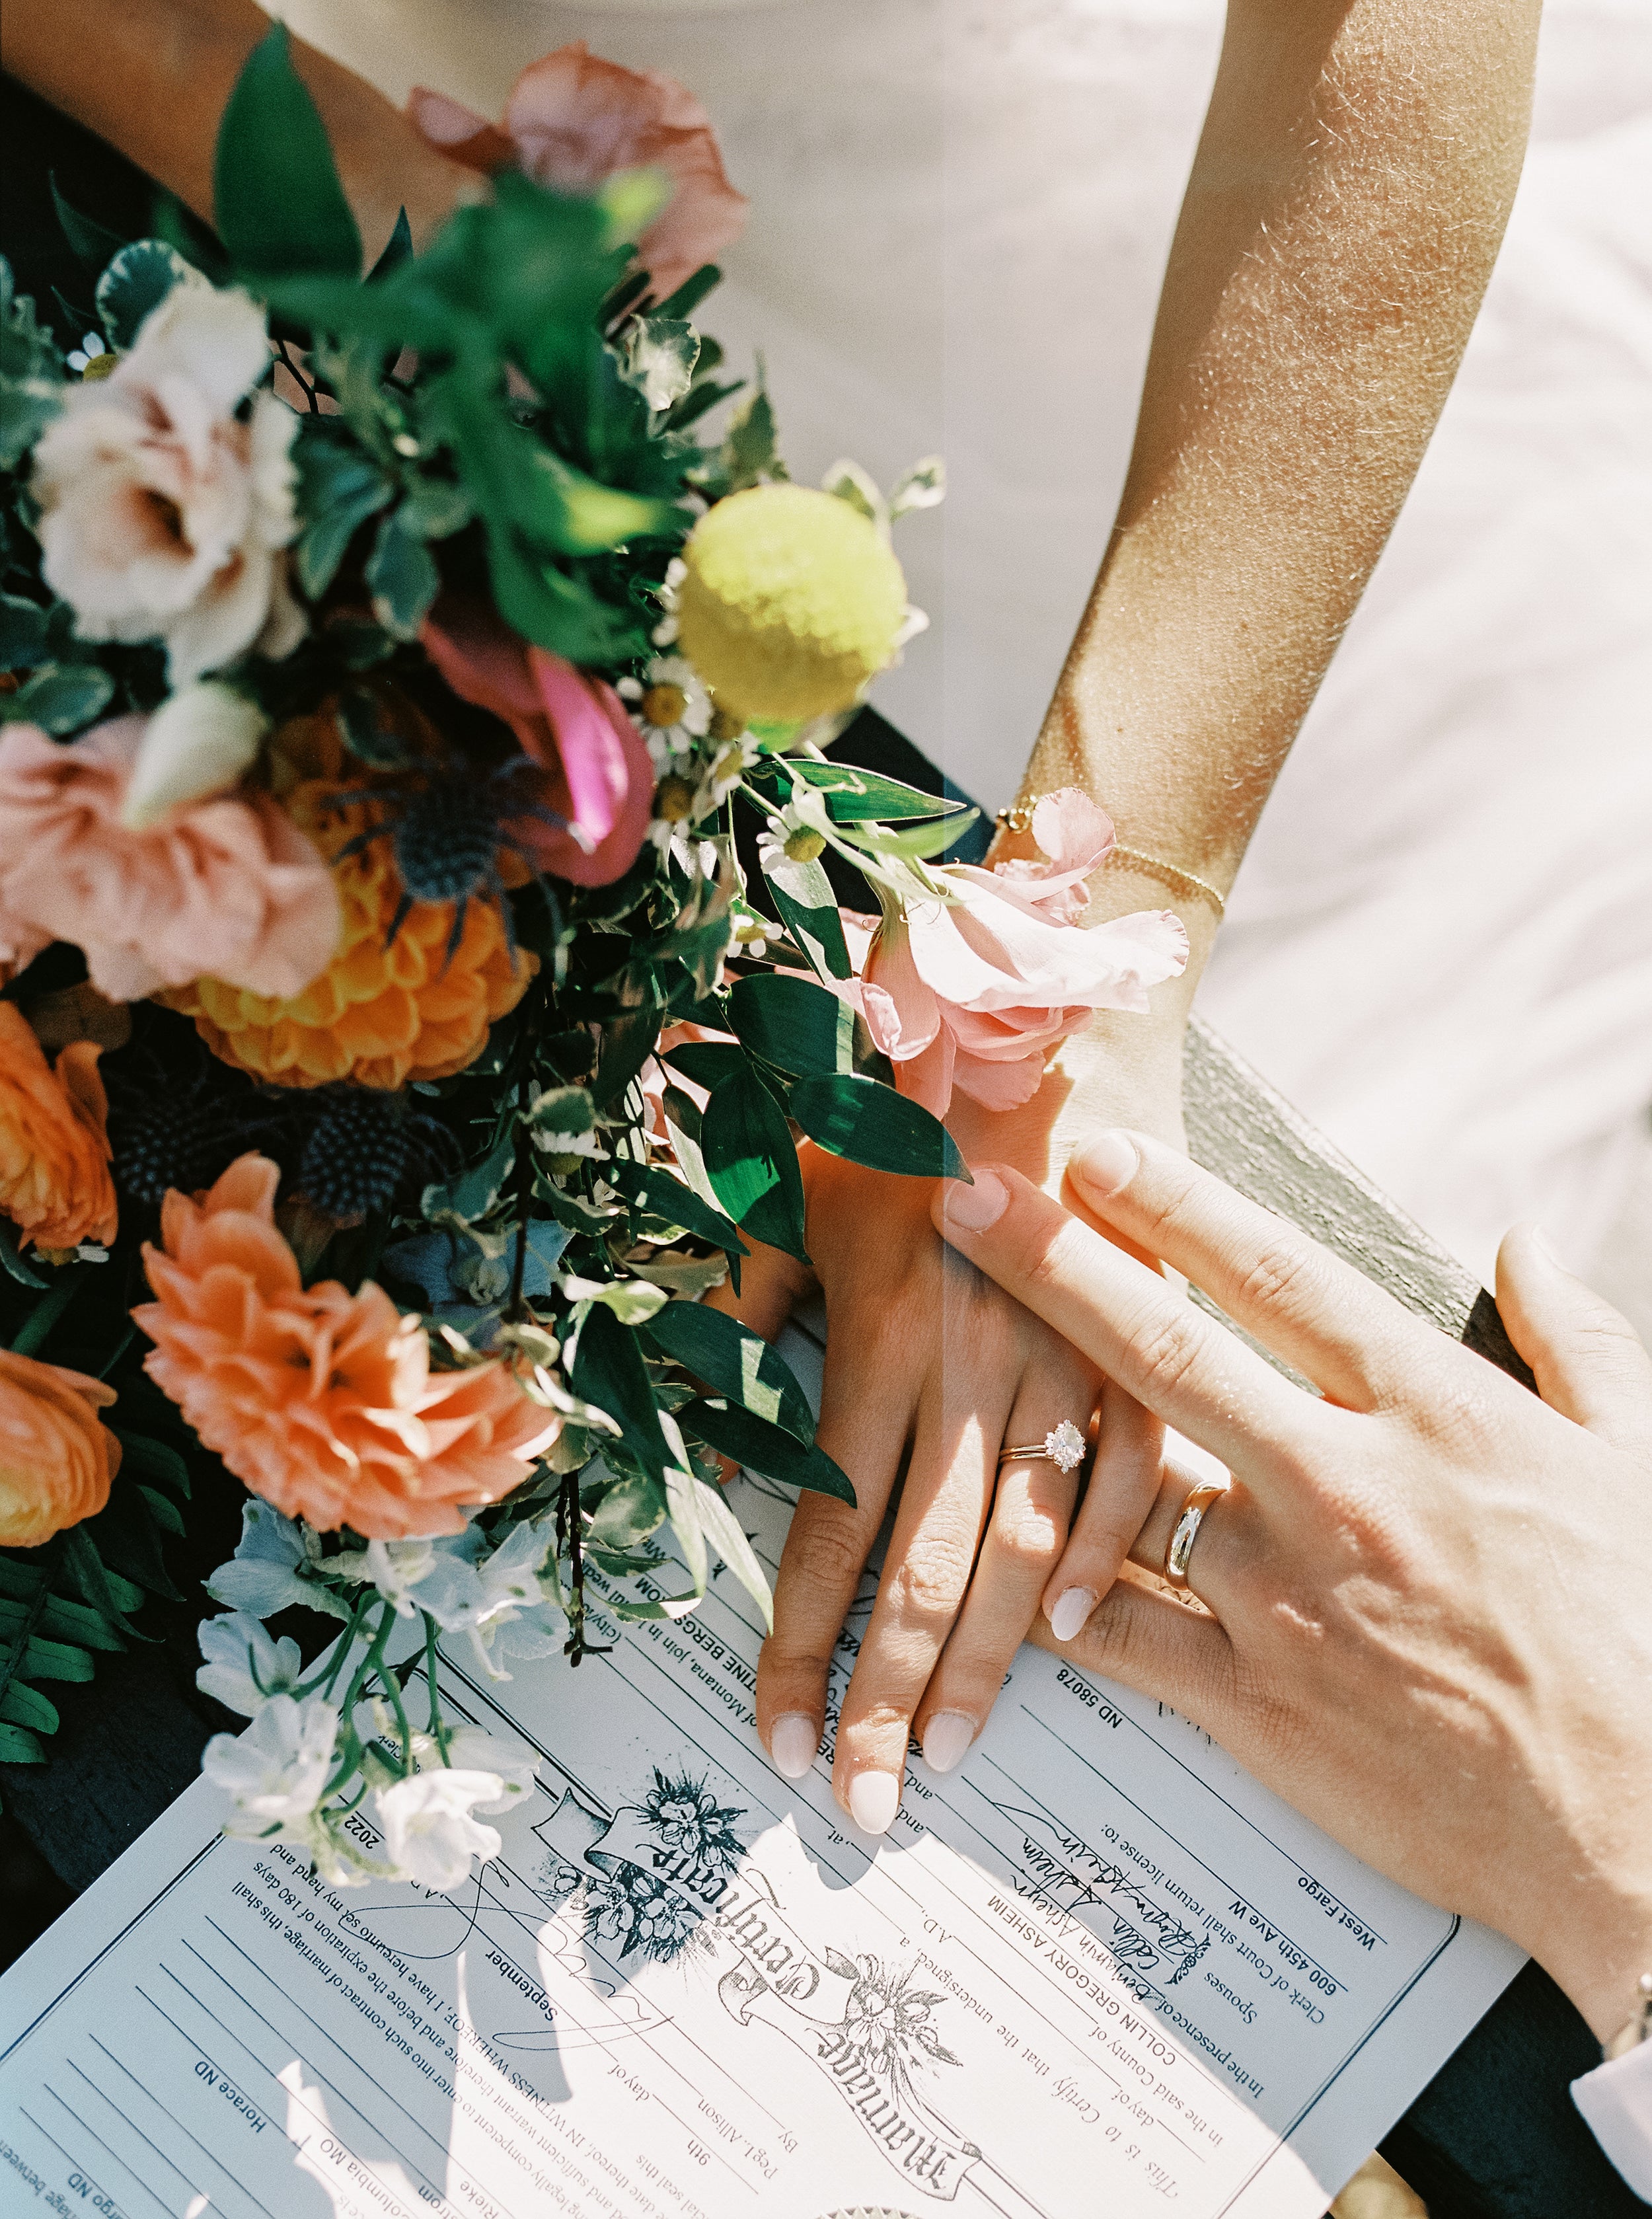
[794, 1740]
[1072, 1607]
[976, 1207]
[874, 1798]
[945, 1739]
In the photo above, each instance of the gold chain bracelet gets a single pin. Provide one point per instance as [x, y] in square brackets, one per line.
[1019, 818]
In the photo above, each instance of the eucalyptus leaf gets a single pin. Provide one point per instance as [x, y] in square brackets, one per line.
[870, 1123]
[751, 1160]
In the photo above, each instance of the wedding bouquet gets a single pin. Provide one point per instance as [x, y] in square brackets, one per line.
[394, 1047]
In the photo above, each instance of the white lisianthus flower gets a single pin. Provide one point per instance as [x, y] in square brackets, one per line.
[244, 1666]
[162, 514]
[275, 1772]
[196, 743]
[429, 1832]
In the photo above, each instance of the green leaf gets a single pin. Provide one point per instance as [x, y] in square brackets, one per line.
[13, 1263]
[751, 1160]
[22, 633]
[750, 450]
[692, 290]
[142, 1458]
[789, 1022]
[368, 740]
[398, 249]
[474, 1193]
[280, 208]
[402, 578]
[764, 1448]
[924, 486]
[54, 1660]
[633, 1301]
[659, 359]
[436, 508]
[339, 489]
[630, 1510]
[707, 1063]
[162, 1509]
[106, 1591]
[667, 1198]
[63, 1620]
[682, 1499]
[918, 842]
[628, 1041]
[728, 1537]
[609, 1371]
[565, 511]
[803, 894]
[92, 243]
[17, 1747]
[734, 1361]
[60, 698]
[27, 1706]
[871, 1123]
[136, 282]
[853, 793]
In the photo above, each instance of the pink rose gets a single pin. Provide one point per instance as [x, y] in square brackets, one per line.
[228, 885]
[572, 120]
[974, 993]
[163, 513]
[598, 776]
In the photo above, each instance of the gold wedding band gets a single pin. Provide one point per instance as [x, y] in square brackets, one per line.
[1187, 1530]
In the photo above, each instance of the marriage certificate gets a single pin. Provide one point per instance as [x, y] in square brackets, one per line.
[1096, 1971]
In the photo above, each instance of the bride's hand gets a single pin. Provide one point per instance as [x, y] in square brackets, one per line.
[926, 1360]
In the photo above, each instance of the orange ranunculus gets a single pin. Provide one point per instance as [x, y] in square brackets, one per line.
[384, 1012]
[54, 1148]
[323, 1402]
[56, 1460]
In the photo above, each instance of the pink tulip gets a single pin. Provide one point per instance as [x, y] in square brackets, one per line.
[574, 119]
[598, 774]
[974, 992]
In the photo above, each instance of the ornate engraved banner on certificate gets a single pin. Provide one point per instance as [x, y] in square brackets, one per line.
[1096, 1970]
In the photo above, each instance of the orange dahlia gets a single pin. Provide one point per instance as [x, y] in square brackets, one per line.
[54, 1148]
[56, 1460]
[385, 1010]
[323, 1402]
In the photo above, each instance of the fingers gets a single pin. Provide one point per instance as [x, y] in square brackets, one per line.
[770, 1284]
[1178, 1363]
[1589, 1362]
[1032, 1509]
[826, 1549]
[926, 1573]
[1123, 1485]
[1146, 1641]
[1353, 1341]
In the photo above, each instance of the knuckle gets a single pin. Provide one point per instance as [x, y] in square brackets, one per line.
[1166, 1349]
[1283, 1276]
[1028, 1533]
[927, 1586]
[824, 1554]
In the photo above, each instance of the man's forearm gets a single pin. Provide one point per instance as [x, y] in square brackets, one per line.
[152, 77]
[1345, 207]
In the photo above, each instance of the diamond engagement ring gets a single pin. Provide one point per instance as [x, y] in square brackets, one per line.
[1064, 1447]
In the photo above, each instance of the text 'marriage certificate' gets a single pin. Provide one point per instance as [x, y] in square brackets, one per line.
[1097, 1969]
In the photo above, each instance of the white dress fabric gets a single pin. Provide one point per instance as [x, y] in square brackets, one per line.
[1440, 946]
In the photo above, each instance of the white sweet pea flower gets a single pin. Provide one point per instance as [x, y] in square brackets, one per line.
[477, 1599]
[198, 741]
[262, 1577]
[274, 1774]
[395, 1569]
[472, 1749]
[429, 1832]
[244, 1666]
[163, 513]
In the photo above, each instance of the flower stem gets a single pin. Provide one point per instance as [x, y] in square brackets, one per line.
[45, 1313]
[438, 1732]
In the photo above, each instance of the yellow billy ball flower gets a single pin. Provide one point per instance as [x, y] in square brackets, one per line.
[790, 600]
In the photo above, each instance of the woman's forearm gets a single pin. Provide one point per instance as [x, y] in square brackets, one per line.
[1345, 207]
[152, 77]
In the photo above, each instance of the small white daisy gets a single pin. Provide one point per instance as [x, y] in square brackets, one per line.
[91, 351]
